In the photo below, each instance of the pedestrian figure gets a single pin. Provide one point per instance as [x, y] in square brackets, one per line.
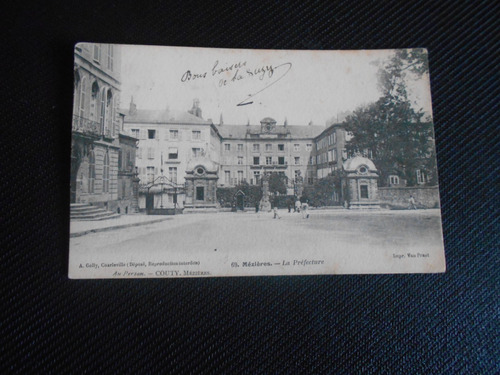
[297, 206]
[412, 205]
[256, 207]
[289, 206]
[305, 213]
[276, 215]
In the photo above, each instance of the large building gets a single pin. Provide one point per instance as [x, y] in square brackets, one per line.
[168, 141]
[172, 145]
[248, 151]
[101, 173]
[171, 142]
[329, 150]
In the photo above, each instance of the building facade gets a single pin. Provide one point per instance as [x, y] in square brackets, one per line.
[96, 125]
[127, 177]
[329, 150]
[168, 141]
[249, 151]
[171, 141]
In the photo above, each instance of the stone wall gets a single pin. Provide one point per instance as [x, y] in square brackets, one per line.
[397, 197]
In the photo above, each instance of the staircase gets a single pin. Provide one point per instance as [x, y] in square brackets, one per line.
[87, 212]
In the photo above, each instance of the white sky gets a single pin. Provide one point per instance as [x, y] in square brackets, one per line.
[317, 86]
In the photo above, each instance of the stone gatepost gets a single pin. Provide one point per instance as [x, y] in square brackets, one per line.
[135, 192]
[265, 204]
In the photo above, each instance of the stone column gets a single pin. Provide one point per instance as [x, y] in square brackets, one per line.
[265, 205]
[135, 193]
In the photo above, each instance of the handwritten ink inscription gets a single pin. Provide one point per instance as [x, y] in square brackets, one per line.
[239, 71]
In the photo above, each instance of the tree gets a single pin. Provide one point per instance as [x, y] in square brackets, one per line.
[396, 136]
[323, 191]
[227, 195]
[277, 183]
[393, 74]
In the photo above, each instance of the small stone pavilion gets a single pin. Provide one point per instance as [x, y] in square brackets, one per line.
[359, 183]
[201, 185]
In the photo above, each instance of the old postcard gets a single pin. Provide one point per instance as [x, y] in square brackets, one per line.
[198, 162]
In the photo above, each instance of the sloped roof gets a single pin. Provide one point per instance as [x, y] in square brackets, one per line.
[162, 117]
[296, 131]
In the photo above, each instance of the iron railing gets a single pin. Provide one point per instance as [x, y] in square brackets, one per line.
[86, 126]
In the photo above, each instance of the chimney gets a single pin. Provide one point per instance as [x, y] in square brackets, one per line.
[133, 108]
[221, 120]
[286, 122]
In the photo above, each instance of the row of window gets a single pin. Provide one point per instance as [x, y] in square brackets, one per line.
[149, 173]
[173, 135]
[326, 141]
[173, 153]
[325, 157]
[197, 135]
[422, 178]
[108, 55]
[96, 104]
[268, 147]
[269, 160]
[228, 179]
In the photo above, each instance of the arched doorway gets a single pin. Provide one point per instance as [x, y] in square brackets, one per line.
[240, 200]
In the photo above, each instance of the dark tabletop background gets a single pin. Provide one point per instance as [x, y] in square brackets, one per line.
[434, 324]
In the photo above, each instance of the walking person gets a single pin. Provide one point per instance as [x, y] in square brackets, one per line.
[275, 211]
[297, 206]
[305, 212]
[412, 205]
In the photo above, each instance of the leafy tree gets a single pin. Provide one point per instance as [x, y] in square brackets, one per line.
[393, 73]
[253, 194]
[277, 183]
[399, 137]
[323, 190]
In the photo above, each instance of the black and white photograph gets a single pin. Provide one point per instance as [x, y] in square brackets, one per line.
[204, 162]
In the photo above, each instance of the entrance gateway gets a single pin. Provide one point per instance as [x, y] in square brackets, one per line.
[240, 200]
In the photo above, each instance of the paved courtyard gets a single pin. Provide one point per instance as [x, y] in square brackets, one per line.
[347, 242]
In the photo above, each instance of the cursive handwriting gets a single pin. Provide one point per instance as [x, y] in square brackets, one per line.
[230, 73]
[246, 102]
[218, 70]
